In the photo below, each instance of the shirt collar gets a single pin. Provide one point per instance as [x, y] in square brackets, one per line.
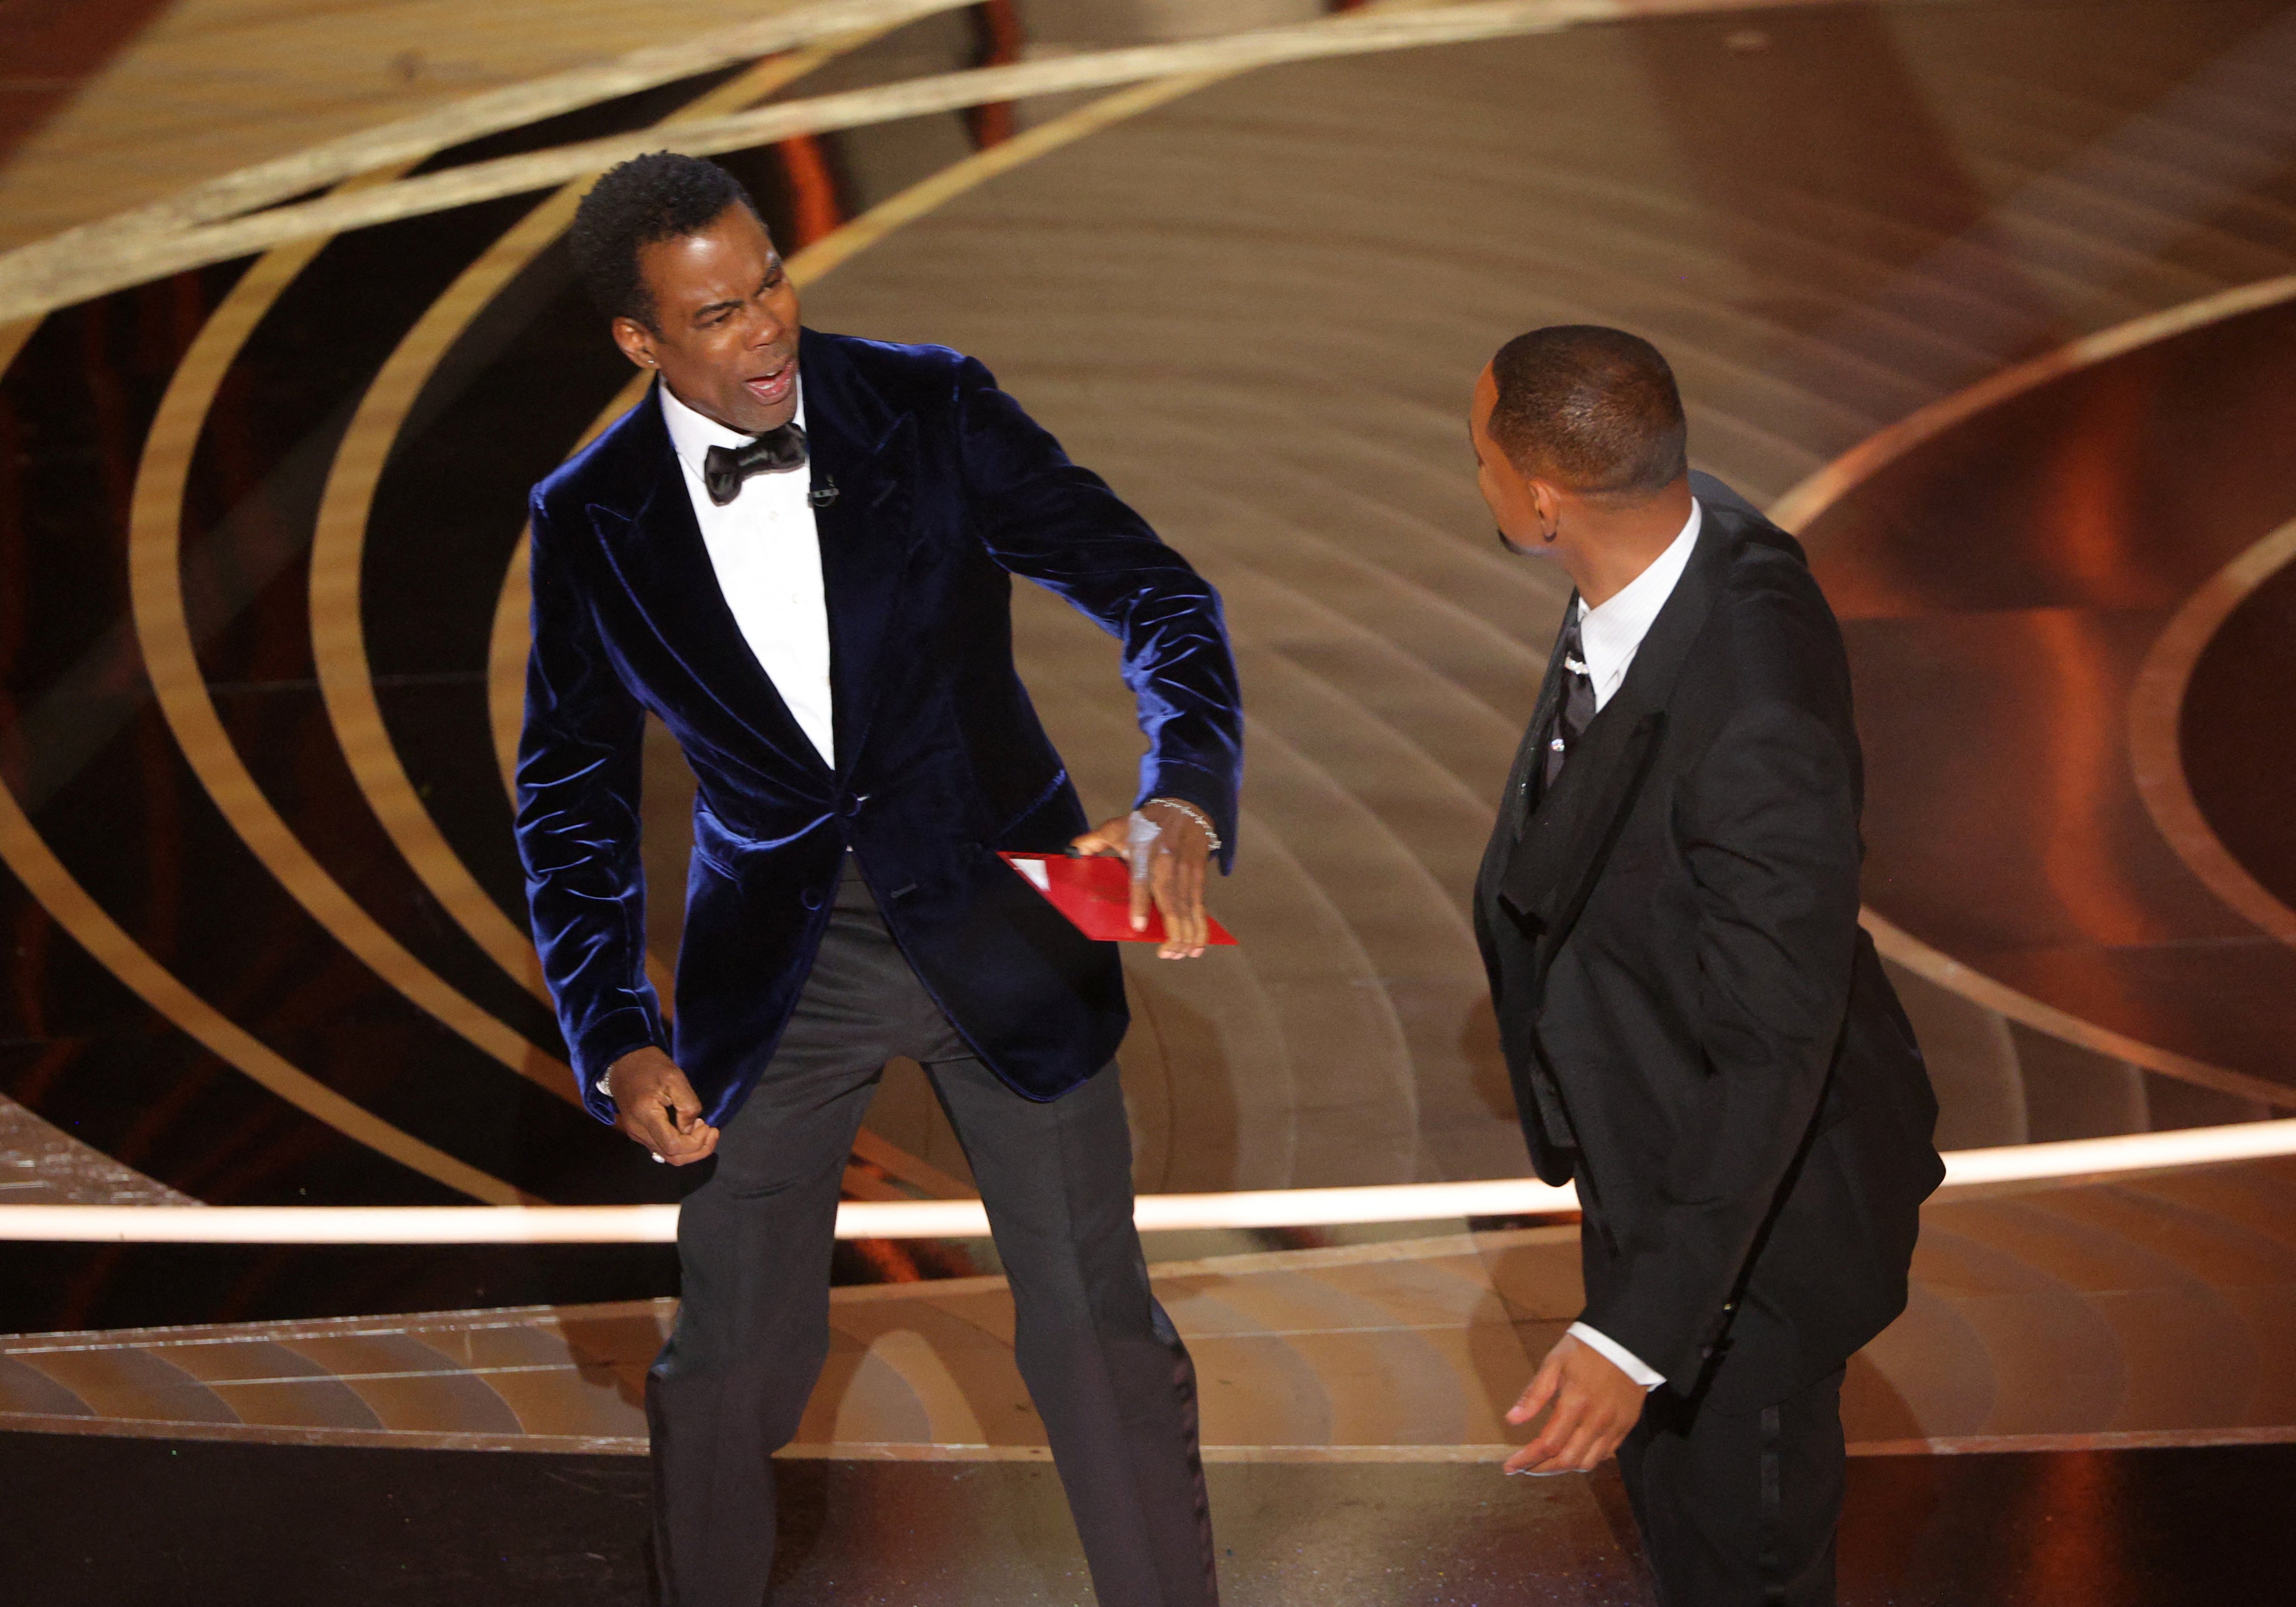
[1609, 634]
[692, 434]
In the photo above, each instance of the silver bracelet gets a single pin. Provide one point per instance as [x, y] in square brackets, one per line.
[1211, 835]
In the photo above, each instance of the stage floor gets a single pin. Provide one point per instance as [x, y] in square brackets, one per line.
[2146, 1311]
[197, 1524]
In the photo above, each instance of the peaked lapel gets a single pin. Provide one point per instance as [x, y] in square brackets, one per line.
[1568, 838]
[865, 451]
[654, 542]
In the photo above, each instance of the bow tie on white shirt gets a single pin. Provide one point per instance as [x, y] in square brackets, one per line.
[776, 452]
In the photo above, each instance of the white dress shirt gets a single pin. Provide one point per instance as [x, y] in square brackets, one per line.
[1609, 636]
[767, 555]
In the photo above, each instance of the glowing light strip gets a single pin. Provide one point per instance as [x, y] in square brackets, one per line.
[965, 1219]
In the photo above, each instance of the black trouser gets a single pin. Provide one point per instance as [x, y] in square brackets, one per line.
[1739, 1507]
[1109, 1375]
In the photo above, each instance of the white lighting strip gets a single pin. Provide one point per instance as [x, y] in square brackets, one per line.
[964, 1218]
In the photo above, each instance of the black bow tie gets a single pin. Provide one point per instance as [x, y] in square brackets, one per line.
[776, 452]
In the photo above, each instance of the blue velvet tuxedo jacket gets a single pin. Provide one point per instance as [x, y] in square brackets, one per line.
[944, 489]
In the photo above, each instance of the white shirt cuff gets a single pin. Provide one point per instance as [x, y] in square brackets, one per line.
[1625, 1360]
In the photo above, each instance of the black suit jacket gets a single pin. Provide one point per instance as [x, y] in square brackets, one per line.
[944, 489]
[1697, 1029]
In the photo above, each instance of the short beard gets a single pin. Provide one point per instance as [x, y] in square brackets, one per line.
[1516, 548]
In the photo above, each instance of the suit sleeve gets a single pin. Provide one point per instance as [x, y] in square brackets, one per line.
[580, 757]
[1059, 525]
[1768, 822]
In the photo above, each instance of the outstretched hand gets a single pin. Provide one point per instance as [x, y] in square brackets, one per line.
[654, 1104]
[1594, 1404]
[1169, 873]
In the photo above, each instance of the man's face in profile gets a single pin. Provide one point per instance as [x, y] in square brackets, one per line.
[725, 318]
[1506, 491]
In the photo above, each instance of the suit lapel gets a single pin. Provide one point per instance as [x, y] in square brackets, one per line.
[1568, 838]
[654, 542]
[865, 450]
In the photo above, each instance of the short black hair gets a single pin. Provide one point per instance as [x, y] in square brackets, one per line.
[659, 196]
[1595, 409]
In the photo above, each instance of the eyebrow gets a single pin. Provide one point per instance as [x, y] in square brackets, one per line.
[773, 269]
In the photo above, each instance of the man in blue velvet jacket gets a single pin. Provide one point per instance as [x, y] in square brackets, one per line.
[797, 550]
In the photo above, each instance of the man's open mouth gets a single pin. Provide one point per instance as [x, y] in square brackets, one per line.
[774, 386]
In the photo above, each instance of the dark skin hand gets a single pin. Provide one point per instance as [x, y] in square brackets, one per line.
[1594, 1404]
[654, 1104]
[1175, 882]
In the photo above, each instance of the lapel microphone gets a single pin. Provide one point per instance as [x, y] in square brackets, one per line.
[823, 493]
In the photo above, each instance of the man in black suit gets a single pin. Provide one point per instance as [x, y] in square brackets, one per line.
[1697, 1030]
[797, 550]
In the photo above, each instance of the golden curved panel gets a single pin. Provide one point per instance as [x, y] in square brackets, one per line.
[34, 285]
[1798, 507]
[2160, 774]
[339, 544]
[35, 864]
[2155, 709]
[1934, 964]
[44, 877]
[163, 630]
[144, 242]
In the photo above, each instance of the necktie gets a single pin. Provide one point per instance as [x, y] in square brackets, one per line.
[776, 452]
[1576, 708]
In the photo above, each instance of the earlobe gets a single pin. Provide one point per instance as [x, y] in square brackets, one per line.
[634, 344]
[1547, 508]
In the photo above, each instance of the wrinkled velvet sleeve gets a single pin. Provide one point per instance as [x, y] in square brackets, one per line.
[578, 766]
[1060, 525]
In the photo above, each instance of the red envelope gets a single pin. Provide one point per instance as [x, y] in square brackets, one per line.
[1096, 894]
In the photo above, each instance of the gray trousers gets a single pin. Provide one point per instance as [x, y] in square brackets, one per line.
[1108, 1374]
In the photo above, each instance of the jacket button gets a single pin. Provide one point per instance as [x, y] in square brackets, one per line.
[810, 897]
[852, 806]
